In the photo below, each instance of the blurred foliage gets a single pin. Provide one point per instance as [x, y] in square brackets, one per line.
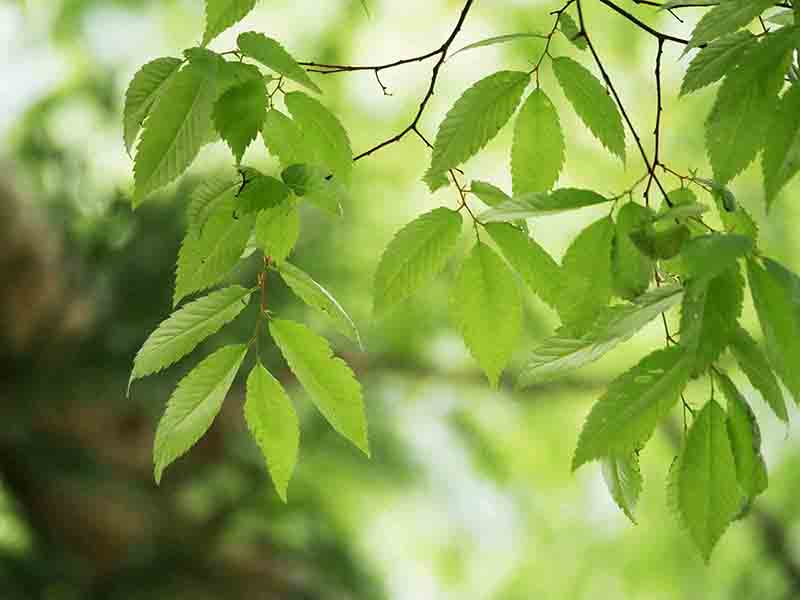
[468, 493]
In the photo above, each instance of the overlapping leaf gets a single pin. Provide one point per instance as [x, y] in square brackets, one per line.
[623, 420]
[474, 119]
[415, 256]
[328, 380]
[487, 309]
[194, 405]
[273, 423]
[624, 481]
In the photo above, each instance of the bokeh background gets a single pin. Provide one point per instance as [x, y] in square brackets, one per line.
[469, 493]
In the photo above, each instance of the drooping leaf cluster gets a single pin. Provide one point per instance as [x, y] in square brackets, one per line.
[639, 262]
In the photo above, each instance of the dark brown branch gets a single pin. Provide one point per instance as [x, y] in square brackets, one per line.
[650, 167]
[644, 26]
[657, 130]
[441, 52]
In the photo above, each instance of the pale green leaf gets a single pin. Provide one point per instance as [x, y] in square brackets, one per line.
[273, 423]
[587, 269]
[205, 259]
[714, 61]
[536, 267]
[537, 152]
[709, 315]
[415, 256]
[537, 204]
[499, 39]
[272, 55]
[187, 327]
[623, 420]
[316, 296]
[776, 300]
[661, 244]
[488, 193]
[239, 114]
[632, 269]
[178, 126]
[566, 351]
[708, 493]
[748, 92]
[755, 366]
[487, 309]
[624, 481]
[277, 230]
[194, 404]
[323, 134]
[726, 17]
[261, 192]
[474, 120]
[222, 14]
[283, 138]
[570, 30]
[592, 103]
[781, 159]
[707, 256]
[209, 196]
[144, 90]
[745, 439]
[328, 380]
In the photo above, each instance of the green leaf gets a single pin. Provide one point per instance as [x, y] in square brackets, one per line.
[755, 366]
[707, 489]
[474, 120]
[623, 420]
[260, 193]
[415, 257]
[707, 256]
[178, 126]
[661, 244]
[566, 351]
[328, 380]
[209, 196]
[499, 39]
[632, 270]
[323, 134]
[570, 30]
[304, 179]
[781, 159]
[745, 439]
[489, 194]
[277, 230]
[537, 152]
[273, 423]
[144, 90]
[734, 217]
[487, 309]
[592, 103]
[316, 296]
[776, 302]
[536, 267]
[283, 138]
[222, 14]
[537, 204]
[272, 55]
[194, 404]
[187, 327]
[681, 212]
[587, 268]
[624, 481]
[239, 114]
[709, 315]
[205, 259]
[714, 61]
[748, 92]
[725, 18]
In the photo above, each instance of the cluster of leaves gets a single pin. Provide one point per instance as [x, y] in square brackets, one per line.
[635, 264]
